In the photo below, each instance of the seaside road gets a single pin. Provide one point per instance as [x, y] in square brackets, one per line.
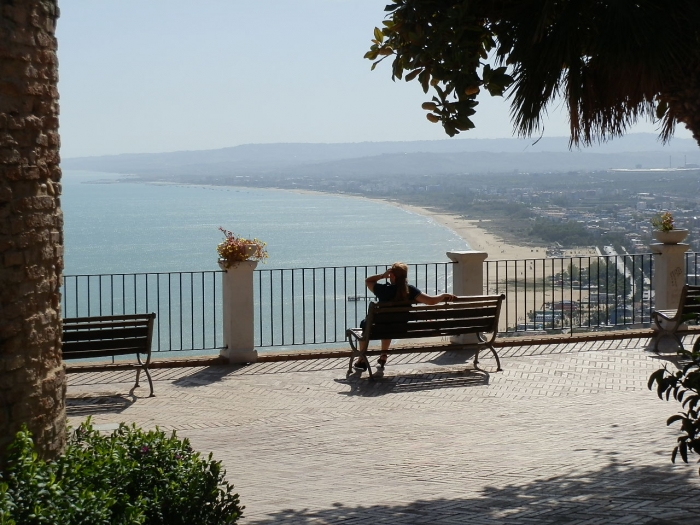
[567, 433]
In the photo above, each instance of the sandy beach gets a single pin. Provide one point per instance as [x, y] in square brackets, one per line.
[473, 232]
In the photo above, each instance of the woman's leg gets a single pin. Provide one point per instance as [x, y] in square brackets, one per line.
[386, 343]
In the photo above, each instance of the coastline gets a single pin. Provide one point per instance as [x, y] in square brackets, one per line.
[473, 232]
[475, 235]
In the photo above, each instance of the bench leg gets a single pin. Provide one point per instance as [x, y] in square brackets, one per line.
[666, 333]
[495, 354]
[150, 382]
[359, 352]
[144, 367]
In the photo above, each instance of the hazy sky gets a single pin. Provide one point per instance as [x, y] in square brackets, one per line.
[152, 76]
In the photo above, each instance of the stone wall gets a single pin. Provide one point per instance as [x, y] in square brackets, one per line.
[32, 378]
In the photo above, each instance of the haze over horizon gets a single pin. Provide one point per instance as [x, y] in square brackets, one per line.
[157, 76]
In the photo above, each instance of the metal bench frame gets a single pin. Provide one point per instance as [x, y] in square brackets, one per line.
[667, 322]
[110, 336]
[466, 315]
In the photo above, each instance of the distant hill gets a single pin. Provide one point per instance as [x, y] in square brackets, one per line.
[376, 158]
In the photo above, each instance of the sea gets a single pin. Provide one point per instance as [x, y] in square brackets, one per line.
[127, 231]
[126, 227]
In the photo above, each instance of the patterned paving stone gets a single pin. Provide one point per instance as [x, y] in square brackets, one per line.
[567, 433]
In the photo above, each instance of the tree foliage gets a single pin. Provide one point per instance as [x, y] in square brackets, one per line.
[684, 386]
[612, 61]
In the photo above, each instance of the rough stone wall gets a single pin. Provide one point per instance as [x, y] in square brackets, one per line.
[32, 377]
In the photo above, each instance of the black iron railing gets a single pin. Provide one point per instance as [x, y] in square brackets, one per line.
[303, 306]
[574, 293]
[187, 304]
[307, 306]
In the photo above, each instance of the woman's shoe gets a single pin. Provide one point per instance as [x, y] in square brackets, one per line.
[360, 365]
[381, 362]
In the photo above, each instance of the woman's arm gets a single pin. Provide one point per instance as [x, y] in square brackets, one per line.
[374, 279]
[435, 299]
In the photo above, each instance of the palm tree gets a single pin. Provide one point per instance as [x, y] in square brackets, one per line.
[32, 384]
[612, 61]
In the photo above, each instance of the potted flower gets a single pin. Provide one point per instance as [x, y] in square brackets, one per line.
[236, 249]
[665, 230]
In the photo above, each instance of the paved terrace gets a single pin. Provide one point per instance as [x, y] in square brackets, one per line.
[567, 433]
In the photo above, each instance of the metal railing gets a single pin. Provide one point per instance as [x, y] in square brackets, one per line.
[303, 306]
[573, 293]
[307, 306]
[187, 304]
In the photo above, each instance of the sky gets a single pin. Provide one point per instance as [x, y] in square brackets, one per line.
[169, 75]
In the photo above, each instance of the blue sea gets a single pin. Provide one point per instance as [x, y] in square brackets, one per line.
[134, 227]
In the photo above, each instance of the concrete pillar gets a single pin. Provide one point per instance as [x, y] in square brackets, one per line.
[467, 279]
[238, 311]
[669, 274]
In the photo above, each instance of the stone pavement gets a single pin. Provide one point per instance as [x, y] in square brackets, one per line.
[567, 433]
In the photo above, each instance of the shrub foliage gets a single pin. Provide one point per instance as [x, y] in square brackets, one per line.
[684, 386]
[129, 477]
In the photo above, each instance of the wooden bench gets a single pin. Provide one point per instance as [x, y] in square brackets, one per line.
[110, 336]
[466, 315]
[667, 322]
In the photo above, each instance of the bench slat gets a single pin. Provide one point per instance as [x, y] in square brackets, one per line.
[106, 346]
[96, 334]
[424, 315]
[88, 354]
[71, 325]
[467, 324]
[393, 307]
[109, 318]
[417, 334]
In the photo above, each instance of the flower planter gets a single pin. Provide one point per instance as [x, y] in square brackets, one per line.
[670, 237]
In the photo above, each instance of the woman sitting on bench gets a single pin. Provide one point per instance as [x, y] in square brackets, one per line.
[397, 290]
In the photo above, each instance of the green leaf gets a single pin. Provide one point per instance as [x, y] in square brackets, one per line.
[413, 74]
[378, 34]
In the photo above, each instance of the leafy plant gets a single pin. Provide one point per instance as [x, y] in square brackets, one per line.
[663, 222]
[684, 386]
[235, 249]
[129, 477]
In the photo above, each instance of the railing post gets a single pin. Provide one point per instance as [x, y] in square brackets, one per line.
[467, 279]
[238, 313]
[669, 274]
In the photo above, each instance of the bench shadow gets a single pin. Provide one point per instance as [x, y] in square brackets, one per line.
[403, 383]
[616, 493]
[207, 376]
[107, 404]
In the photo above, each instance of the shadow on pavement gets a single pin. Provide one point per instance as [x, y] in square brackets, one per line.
[402, 383]
[87, 406]
[207, 375]
[617, 493]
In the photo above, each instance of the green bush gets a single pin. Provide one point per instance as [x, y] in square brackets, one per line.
[684, 386]
[129, 477]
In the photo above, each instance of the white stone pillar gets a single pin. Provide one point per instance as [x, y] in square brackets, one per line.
[669, 274]
[467, 279]
[239, 320]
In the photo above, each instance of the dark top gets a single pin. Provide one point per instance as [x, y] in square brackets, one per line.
[387, 292]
